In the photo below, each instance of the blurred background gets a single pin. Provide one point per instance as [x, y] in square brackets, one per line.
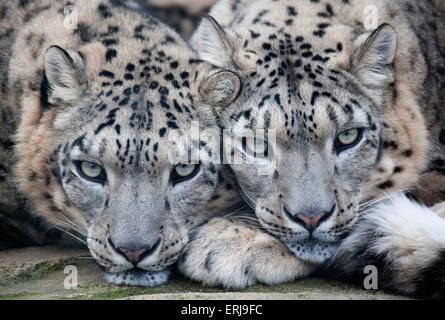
[182, 15]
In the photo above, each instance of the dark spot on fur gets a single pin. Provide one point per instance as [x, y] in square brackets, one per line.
[407, 153]
[386, 185]
[442, 137]
[110, 54]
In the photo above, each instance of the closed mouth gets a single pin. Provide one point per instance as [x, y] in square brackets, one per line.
[137, 270]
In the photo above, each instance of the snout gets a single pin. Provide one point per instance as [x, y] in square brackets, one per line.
[150, 252]
[315, 243]
[311, 227]
[136, 260]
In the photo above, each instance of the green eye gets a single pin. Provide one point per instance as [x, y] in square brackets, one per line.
[91, 171]
[184, 172]
[348, 139]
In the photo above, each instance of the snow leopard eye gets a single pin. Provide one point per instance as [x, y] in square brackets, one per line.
[348, 139]
[183, 172]
[91, 171]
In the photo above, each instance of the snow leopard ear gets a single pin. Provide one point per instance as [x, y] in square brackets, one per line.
[220, 88]
[214, 44]
[373, 60]
[65, 76]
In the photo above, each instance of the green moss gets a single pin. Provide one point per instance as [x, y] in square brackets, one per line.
[177, 285]
[96, 288]
[32, 272]
[19, 295]
[100, 292]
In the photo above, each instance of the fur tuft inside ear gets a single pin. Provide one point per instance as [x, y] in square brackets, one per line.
[214, 43]
[220, 89]
[373, 62]
[65, 75]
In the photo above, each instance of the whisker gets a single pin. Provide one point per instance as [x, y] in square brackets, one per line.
[367, 204]
[72, 235]
[73, 224]
[221, 215]
[85, 258]
[75, 228]
[247, 198]
[234, 212]
[70, 222]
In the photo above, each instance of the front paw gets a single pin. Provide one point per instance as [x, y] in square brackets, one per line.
[138, 278]
[229, 254]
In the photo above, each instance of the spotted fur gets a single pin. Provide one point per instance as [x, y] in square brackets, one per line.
[109, 92]
[309, 70]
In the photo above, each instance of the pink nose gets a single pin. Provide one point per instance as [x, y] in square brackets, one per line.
[134, 253]
[133, 256]
[311, 223]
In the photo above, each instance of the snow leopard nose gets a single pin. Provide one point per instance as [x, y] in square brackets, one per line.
[310, 221]
[135, 253]
[134, 256]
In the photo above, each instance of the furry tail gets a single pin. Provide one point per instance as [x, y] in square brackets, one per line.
[404, 241]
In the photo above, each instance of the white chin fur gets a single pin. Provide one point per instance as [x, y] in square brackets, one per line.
[138, 278]
[316, 253]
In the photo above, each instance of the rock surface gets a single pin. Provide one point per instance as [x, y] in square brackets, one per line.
[38, 273]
